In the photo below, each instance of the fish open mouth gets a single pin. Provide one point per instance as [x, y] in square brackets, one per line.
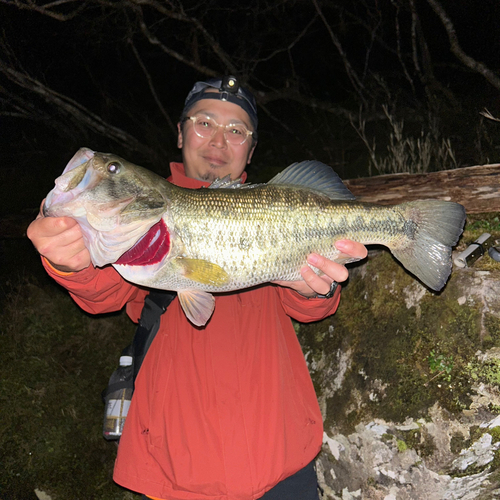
[150, 249]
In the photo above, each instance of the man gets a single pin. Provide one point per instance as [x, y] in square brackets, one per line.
[227, 411]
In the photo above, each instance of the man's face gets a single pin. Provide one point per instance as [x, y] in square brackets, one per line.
[213, 157]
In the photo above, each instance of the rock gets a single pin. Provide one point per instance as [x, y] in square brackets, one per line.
[408, 383]
[41, 495]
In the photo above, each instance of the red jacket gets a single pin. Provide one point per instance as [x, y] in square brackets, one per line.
[219, 413]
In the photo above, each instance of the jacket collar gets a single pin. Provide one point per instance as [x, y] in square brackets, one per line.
[178, 177]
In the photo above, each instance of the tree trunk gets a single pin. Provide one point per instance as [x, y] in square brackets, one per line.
[477, 188]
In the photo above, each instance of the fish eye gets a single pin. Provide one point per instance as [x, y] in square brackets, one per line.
[114, 167]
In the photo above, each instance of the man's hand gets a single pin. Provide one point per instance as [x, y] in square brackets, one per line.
[314, 285]
[60, 241]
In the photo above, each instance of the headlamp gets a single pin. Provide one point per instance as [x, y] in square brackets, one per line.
[229, 90]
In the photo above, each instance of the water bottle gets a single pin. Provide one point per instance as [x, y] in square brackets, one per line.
[117, 398]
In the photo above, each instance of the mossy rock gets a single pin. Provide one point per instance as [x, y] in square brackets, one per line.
[394, 349]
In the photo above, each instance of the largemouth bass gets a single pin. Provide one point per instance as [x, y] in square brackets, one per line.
[232, 236]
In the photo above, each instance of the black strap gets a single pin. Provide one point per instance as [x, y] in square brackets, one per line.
[125, 384]
[155, 305]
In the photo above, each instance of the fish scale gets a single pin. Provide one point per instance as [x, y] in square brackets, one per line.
[234, 236]
[279, 227]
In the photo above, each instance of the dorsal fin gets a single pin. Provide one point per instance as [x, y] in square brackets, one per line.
[226, 183]
[314, 175]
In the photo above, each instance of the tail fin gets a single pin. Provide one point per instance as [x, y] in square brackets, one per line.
[433, 227]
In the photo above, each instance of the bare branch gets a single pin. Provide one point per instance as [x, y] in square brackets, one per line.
[74, 110]
[271, 46]
[152, 89]
[399, 51]
[414, 44]
[47, 9]
[489, 116]
[457, 50]
[423, 61]
[153, 40]
[369, 28]
[289, 46]
[373, 37]
[15, 105]
[351, 73]
[180, 15]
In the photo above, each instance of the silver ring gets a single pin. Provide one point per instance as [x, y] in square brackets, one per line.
[329, 295]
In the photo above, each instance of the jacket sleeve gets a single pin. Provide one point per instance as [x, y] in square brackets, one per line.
[100, 290]
[307, 310]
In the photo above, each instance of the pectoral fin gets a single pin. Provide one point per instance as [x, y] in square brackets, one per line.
[197, 305]
[202, 271]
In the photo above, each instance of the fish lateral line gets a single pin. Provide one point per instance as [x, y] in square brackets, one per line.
[150, 249]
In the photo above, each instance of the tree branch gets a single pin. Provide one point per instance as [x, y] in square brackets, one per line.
[351, 73]
[153, 40]
[457, 50]
[46, 9]
[74, 110]
[180, 15]
[152, 89]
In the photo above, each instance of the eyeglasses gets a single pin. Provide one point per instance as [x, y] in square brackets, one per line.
[205, 127]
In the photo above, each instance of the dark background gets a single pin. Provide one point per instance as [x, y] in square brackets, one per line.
[113, 76]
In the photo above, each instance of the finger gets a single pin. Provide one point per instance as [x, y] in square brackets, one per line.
[73, 267]
[316, 283]
[334, 271]
[74, 258]
[53, 237]
[43, 228]
[352, 248]
[61, 226]
[40, 213]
